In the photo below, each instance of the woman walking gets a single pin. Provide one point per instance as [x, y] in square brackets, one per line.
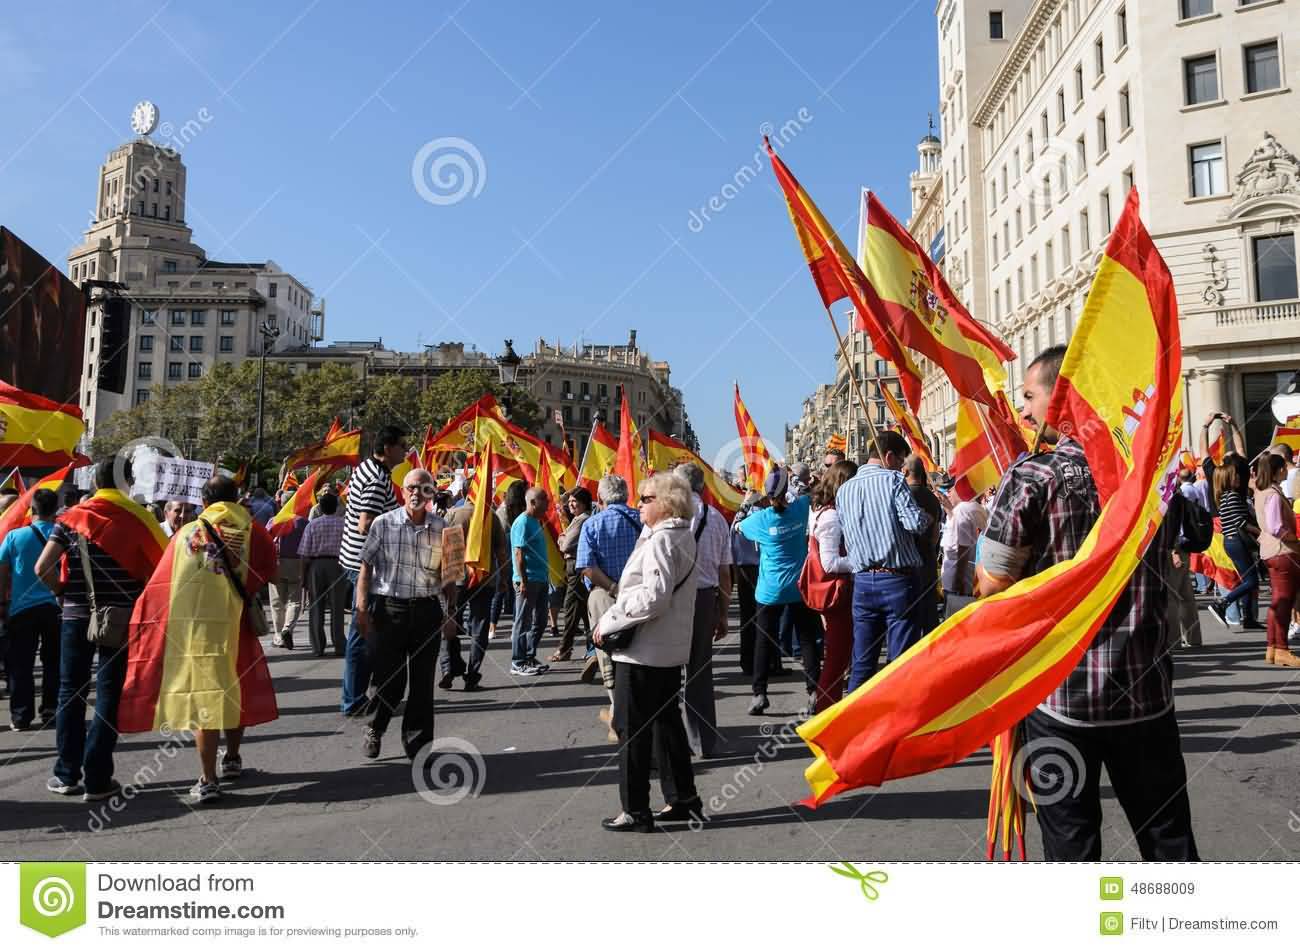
[1230, 480]
[826, 541]
[1279, 549]
[656, 599]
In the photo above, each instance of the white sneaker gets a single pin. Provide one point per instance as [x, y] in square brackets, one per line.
[202, 792]
[1293, 632]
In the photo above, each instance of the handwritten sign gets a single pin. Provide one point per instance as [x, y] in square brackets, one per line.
[179, 480]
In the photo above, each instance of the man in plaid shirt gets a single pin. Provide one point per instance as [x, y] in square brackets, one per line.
[1116, 708]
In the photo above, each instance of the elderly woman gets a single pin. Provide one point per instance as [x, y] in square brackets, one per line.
[656, 595]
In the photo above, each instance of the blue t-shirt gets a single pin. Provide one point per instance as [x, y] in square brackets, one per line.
[19, 550]
[526, 533]
[782, 539]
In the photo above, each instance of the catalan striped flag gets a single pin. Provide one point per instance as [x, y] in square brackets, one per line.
[837, 443]
[838, 276]
[290, 483]
[37, 432]
[300, 503]
[337, 449]
[910, 425]
[1287, 434]
[124, 529]
[664, 452]
[629, 463]
[984, 669]
[599, 458]
[19, 513]
[758, 461]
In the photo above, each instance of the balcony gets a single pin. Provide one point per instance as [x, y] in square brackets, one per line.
[1258, 313]
[1264, 324]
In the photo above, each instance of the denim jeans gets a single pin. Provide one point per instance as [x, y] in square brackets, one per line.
[36, 627]
[78, 749]
[1243, 559]
[882, 611]
[356, 659]
[530, 620]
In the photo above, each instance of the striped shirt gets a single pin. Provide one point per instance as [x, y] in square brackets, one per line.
[370, 492]
[880, 519]
[1233, 513]
[113, 585]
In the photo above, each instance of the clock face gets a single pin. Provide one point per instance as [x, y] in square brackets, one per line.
[144, 117]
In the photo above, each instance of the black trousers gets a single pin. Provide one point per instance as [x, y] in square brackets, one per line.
[25, 631]
[406, 644]
[649, 725]
[478, 602]
[746, 579]
[807, 625]
[1145, 764]
[327, 587]
[575, 607]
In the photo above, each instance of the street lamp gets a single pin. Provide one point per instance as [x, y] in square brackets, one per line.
[508, 369]
[269, 332]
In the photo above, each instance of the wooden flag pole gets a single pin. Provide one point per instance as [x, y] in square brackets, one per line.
[857, 384]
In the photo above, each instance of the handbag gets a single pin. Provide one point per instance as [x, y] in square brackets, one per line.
[620, 639]
[819, 589]
[256, 616]
[108, 623]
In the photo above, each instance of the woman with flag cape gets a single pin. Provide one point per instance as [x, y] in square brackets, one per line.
[194, 661]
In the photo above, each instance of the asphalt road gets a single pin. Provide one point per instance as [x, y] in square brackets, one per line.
[542, 775]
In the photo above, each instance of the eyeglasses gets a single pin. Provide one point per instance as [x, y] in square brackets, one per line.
[647, 498]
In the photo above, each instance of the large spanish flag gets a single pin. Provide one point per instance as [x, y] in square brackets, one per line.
[337, 449]
[124, 529]
[758, 461]
[1217, 448]
[478, 539]
[20, 514]
[988, 666]
[664, 452]
[599, 458]
[37, 432]
[906, 292]
[910, 425]
[519, 453]
[193, 659]
[300, 503]
[837, 275]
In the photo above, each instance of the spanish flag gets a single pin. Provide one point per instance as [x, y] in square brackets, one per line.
[299, 504]
[517, 450]
[478, 540]
[553, 522]
[629, 463]
[910, 425]
[988, 666]
[412, 461]
[37, 432]
[1214, 562]
[1216, 449]
[1288, 434]
[988, 442]
[19, 513]
[758, 461]
[124, 529]
[193, 659]
[665, 453]
[599, 458]
[337, 449]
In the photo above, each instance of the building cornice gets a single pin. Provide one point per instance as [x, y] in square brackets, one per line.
[1008, 70]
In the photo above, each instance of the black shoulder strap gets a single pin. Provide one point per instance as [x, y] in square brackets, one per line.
[704, 517]
[630, 520]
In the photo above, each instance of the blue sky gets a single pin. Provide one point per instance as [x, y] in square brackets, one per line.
[601, 128]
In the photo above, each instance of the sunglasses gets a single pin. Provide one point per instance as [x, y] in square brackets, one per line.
[647, 498]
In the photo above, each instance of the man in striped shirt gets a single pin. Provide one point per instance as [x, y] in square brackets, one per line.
[881, 522]
[370, 494]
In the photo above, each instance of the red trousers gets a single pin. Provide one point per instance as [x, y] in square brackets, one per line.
[1284, 579]
[838, 653]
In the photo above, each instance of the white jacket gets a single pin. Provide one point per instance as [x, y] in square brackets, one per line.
[662, 558]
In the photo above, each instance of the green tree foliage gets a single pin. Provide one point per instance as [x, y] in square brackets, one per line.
[451, 392]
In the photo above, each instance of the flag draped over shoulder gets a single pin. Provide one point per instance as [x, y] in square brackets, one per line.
[37, 432]
[125, 530]
[758, 461]
[664, 452]
[629, 463]
[300, 504]
[19, 513]
[193, 659]
[599, 458]
[338, 449]
[988, 666]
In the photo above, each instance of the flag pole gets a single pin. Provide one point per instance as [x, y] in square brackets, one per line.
[857, 384]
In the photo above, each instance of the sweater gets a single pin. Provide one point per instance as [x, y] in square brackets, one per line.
[664, 555]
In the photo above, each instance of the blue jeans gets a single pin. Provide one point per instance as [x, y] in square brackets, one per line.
[882, 611]
[77, 749]
[1243, 560]
[356, 658]
[530, 620]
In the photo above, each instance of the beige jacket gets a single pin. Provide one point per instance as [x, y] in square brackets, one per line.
[664, 555]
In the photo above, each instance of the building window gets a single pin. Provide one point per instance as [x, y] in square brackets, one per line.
[1103, 205]
[196, 344]
[996, 256]
[1125, 111]
[153, 210]
[143, 371]
[146, 344]
[602, 391]
[548, 386]
[227, 318]
[1006, 238]
[1033, 273]
[585, 414]
[1099, 56]
[1081, 156]
[993, 197]
[1020, 227]
[1078, 83]
[1067, 255]
[1208, 170]
[178, 318]
[169, 267]
[1262, 67]
[1085, 230]
[1195, 8]
[995, 25]
[1063, 174]
[997, 303]
[1200, 79]
[1060, 107]
[274, 291]
[141, 396]
[1033, 211]
[1127, 180]
[567, 414]
[1103, 142]
[1042, 125]
[173, 371]
[1121, 27]
[149, 317]
[176, 344]
[198, 318]
[1275, 268]
[1020, 285]
[196, 370]
[227, 345]
[1049, 262]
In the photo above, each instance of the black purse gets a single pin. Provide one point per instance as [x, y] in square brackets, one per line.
[619, 640]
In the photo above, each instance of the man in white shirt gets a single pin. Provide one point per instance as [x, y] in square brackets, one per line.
[965, 524]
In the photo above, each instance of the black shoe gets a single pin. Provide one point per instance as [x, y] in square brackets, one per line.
[370, 745]
[1253, 626]
[624, 822]
[472, 682]
[445, 682]
[1220, 612]
[682, 811]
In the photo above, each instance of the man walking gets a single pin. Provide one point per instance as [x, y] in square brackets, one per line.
[881, 523]
[1116, 708]
[370, 494]
[287, 590]
[401, 609]
[30, 615]
[532, 584]
[326, 585]
[475, 595]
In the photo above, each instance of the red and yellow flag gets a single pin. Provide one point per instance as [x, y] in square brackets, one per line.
[599, 458]
[1214, 562]
[126, 530]
[19, 513]
[518, 452]
[664, 452]
[988, 441]
[412, 461]
[37, 432]
[14, 480]
[837, 275]
[478, 539]
[337, 449]
[299, 506]
[1288, 434]
[837, 443]
[758, 461]
[1217, 448]
[193, 659]
[554, 521]
[988, 666]
[910, 425]
[629, 462]
[290, 483]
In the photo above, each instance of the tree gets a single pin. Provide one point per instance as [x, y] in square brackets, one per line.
[451, 392]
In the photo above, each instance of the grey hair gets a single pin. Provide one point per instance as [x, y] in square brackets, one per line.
[693, 475]
[536, 492]
[672, 492]
[612, 488]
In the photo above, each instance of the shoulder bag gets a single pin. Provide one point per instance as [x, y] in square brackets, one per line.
[256, 616]
[109, 623]
[821, 590]
[619, 640]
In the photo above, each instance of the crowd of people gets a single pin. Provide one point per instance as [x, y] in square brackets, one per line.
[840, 570]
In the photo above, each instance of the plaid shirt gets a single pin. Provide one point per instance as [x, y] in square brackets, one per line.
[1045, 507]
[400, 553]
[607, 540]
[322, 537]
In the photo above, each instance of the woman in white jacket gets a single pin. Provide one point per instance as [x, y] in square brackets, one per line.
[656, 595]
